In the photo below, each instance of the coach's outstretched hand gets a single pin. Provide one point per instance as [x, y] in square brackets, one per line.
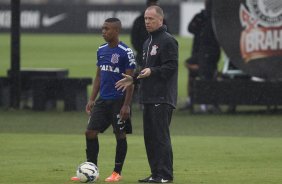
[124, 83]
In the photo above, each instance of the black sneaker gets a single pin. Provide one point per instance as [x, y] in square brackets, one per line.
[145, 180]
[159, 180]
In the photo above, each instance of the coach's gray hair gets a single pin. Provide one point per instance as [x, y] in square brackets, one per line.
[158, 9]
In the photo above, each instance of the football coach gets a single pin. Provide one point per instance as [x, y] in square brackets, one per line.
[158, 94]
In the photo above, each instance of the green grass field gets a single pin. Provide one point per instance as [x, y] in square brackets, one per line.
[46, 147]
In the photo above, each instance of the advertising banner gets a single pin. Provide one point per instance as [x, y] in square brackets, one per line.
[250, 32]
[80, 18]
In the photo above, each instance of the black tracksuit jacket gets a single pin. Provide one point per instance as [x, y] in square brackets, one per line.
[160, 54]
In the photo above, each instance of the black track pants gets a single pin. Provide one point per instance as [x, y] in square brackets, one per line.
[156, 122]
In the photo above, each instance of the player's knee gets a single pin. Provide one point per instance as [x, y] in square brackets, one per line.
[91, 134]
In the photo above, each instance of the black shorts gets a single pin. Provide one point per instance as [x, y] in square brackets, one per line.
[105, 113]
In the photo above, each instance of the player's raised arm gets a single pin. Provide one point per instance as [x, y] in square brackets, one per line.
[125, 110]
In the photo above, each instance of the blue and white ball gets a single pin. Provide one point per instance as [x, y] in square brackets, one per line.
[87, 172]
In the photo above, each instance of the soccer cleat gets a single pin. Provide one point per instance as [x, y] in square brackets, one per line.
[114, 177]
[145, 180]
[74, 178]
[159, 180]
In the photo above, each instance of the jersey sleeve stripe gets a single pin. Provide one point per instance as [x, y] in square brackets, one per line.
[102, 46]
[122, 47]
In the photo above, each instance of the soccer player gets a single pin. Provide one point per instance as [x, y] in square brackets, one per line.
[112, 107]
[158, 94]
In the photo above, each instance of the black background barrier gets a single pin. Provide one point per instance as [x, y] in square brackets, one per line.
[80, 18]
[237, 92]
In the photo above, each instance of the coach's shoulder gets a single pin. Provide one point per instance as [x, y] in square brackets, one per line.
[168, 38]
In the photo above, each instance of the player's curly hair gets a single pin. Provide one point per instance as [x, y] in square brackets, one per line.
[114, 20]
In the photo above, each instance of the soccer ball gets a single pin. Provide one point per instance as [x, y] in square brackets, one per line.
[87, 172]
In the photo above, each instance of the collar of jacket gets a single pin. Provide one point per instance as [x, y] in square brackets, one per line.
[163, 28]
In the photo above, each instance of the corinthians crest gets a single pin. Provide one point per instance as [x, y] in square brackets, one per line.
[262, 29]
[115, 58]
[154, 50]
[267, 12]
